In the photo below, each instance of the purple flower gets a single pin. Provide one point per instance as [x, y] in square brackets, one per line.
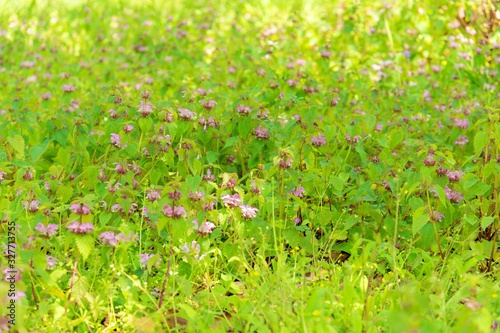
[68, 88]
[174, 195]
[208, 176]
[461, 140]
[461, 123]
[196, 196]
[80, 228]
[79, 208]
[193, 250]
[145, 108]
[452, 195]
[231, 200]
[144, 258]
[205, 228]
[441, 172]
[243, 109]
[116, 208]
[51, 262]
[298, 191]
[208, 105]
[109, 237]
[32, 205]
[116, 140]
[436, 216]
[248, 212]
[209, 205]
[176, 212]
[153, 195]
[128, 128]
[46, 96]
[454, 176]
[429, 161]
[186, 114]
[318, 141]
[285, 164]
[261, 132]
[47, 231]
[2, 174]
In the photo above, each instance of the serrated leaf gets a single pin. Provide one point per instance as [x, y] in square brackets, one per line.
[63, 157]
[231, 141]
[212, 156]
[480, 142]
[17, 143]
[193, 182]
[64, 193]
[420, 218]
[85, 245]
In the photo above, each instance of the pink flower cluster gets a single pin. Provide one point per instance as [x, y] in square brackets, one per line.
[80, 228]
[79, 208]
[175, 212]
[47, 231]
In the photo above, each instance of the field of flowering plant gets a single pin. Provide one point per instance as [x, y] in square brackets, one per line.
[250, 166]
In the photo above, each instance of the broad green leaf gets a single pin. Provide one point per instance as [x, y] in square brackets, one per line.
[420, 218]
[85, 245]
[486, 221]
[480, 142]
[17, 143]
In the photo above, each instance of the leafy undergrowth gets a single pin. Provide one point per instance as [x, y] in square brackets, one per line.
[273, 166]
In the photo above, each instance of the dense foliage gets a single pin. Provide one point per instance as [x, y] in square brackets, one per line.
[251, 166]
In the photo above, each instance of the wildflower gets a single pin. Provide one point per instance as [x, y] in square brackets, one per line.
[51, 262]
[263, 114]
[32, 205]
[452, 195]
[175, 212]
[318, 141]
[145, 108]
[298, 191]
[109, 238]
[209, 205]
[436, 216]
[116, 208]
[113, 114]
[248, 212]
[208, 105]
[144, 258]
[429, 161]
[461, 123]
[297, 221]
[120, 169]
[325, 54]
[80, 228]
[285, 164]
[47, 231]
[243, 109]
[261, 132]
[186, 114]
[454, 176]
[128, 128]
[461, 140]
[28, 175]
[232, 200]
[231, 183]
[2, 174]
[193, 250]
[208, 176]
[205, 228]
[46, 96]
[116, 140]
[79, 208]
[153, 195]
[174, 195]
[68, 88]
[441, 172]
[196, 196]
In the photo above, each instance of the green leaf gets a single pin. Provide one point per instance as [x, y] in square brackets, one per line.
[212, 156]
[231, 141]
[193, 182]
[64, 193]
[486, 221]
[63, 157]
[420, 218]
[17, 142]
[85, 245]
[441, 195]
[480, 142]
[37, 151]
